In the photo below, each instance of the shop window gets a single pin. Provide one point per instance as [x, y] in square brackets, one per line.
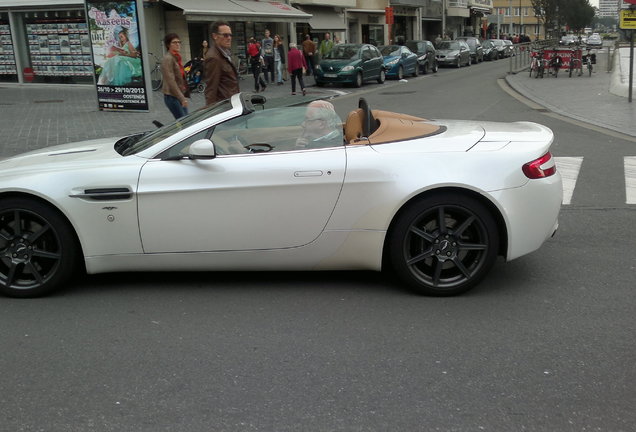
[59, 47]
[8, 70]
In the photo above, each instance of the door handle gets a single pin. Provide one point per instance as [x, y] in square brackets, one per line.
[316, 173]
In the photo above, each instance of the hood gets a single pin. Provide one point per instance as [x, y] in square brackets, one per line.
[62, 156]
[390, 57]
[336, 64]
[447, 52]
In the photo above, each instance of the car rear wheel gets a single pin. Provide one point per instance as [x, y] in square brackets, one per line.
[382, 77]
[37, 248]
[444, 244]
[358, 80]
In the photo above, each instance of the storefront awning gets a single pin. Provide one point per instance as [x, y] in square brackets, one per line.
[239, 10]
[325, 19]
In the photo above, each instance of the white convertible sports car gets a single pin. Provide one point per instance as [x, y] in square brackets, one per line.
[230, 188]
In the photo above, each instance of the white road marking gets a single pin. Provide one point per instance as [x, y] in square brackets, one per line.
[569, 168]
[630, 179]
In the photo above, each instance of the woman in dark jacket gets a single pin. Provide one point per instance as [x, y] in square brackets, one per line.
[279, 58]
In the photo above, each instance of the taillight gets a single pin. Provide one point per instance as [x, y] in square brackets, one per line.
[539, 168]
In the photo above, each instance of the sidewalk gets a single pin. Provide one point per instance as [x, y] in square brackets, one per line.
[587, 99]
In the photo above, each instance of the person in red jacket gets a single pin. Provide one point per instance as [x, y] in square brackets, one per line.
[296, 66]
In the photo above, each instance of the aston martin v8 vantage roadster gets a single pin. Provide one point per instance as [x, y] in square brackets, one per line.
[242, 186]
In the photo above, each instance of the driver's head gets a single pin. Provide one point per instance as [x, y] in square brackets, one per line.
[320, 119]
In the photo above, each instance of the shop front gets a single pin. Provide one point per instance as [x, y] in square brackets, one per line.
[479, 12]
[367, 26]
[323, 20]
[47, 42]
[246, 18]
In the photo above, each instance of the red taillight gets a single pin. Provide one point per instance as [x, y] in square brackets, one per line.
[539, 168]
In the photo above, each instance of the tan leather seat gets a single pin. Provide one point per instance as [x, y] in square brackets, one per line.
[353, 127]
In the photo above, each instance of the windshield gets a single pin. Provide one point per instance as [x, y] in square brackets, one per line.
[136, 143]
[415, 47]
[343, 52]
[390, 50]
[449, 45]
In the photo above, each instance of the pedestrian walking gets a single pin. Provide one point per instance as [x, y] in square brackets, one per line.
[256, 64]
[279, 58]
[325, 46]
[267, 51]
[221, 76]
[296, 66]
[174, 87]
[309, 51]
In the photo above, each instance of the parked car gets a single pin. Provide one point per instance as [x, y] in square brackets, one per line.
[399, 61]
[227, 188]
[453, 53]
[476, 50]
[490, 50]
[500, 46]
[510, 47]
[425, 51]
[351, 64]
[594, 41]
[568, 40]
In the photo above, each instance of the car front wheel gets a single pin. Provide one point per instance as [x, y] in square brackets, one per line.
[37, 248]
[444, 244]
[358, 80]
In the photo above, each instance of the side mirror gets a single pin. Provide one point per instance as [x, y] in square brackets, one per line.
[202, 149]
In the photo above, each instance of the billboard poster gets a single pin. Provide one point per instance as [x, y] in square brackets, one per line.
[116, 46]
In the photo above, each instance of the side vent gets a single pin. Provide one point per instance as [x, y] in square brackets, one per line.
[105, 194]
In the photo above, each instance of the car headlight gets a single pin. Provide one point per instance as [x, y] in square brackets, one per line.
[318, 67]
[393, 62]
[422, 58]
[347, 68]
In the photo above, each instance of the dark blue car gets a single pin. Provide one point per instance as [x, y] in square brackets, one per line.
[399, 61]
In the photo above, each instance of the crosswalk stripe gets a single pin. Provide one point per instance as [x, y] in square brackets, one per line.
[569, 168]
[630, 179]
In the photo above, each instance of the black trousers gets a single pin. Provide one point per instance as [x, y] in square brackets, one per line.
[258, 78]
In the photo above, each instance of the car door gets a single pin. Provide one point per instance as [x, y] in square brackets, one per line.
[247, 201]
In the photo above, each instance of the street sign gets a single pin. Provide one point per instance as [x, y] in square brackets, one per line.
[628, 19]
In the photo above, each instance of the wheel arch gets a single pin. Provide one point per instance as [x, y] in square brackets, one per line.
[56, 209]
[490, 206]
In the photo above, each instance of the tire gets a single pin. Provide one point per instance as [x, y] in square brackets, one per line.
[459, 62]
[531, 70]
[382, 76]
[570, 73]
[358, 80]
[320, 84]
[589, 69]
[156, 79]
[400, 74]
[416, 71]
[435, 67]
[425, 69]
[448, 258]
[470, 61]
[40, 255]
[201, 87]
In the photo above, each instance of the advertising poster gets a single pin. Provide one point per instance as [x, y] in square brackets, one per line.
[116, 44]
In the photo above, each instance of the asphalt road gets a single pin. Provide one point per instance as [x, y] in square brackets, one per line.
[545, 343]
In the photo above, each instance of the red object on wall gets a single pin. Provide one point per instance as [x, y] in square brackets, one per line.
[28, 74]
[388, 12]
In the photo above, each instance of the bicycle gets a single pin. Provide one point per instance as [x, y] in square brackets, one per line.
[555, 65]
[156, 77]
[535, 63]
[575, 62]
[588, 62]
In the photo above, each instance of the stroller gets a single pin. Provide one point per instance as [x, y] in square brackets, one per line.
[194, 75]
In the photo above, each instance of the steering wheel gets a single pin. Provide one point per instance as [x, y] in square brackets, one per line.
[254, 148]
[368, 122]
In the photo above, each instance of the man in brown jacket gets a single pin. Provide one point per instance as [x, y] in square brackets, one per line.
[221, 76]
[309, 50]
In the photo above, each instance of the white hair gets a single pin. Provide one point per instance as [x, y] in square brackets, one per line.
[292, 45]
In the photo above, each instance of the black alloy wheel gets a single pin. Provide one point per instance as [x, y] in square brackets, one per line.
[37, 248]
[358, 80]
[444, 244]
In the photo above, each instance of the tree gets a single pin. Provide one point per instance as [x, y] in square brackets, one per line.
[546, 12]
[577, 14]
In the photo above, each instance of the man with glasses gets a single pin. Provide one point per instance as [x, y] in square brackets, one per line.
[321, 127]
[221, 76]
